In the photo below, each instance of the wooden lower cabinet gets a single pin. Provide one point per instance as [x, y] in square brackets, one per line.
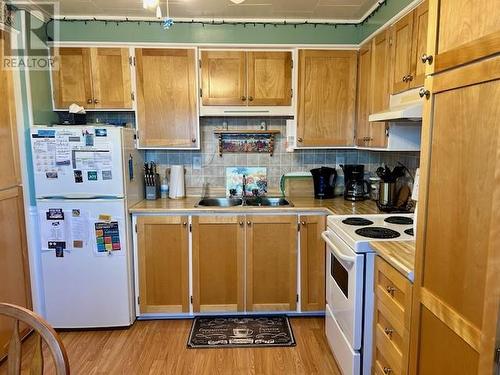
[271, 263]
[218, 263]
[14, 271]
[163, 245]
[391, 322]
[312, 263]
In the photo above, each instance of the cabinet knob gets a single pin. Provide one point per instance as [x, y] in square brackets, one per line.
[388, 332]
[193, 140]
[424, 93]
[243, 98]
[241, 223]
[89, 101]
[299, 139]
[405, 78]
[184, 223]
[387, 370]
[96, 101]
[390, 290]
[303, 223]
[250, 98]
[427, 59]
[249, 223]
[409, 78]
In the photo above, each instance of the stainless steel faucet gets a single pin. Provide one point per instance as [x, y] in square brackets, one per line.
[244, 187]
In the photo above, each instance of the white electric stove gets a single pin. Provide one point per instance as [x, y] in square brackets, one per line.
[350, 265]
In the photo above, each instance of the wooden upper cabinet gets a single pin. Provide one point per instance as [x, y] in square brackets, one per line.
[9, 152]
[166, 98]
[402, 35]
[462, 31]
[380, 86]
[163, 244]
[92, 78]
[111, 78]
[269, 78]
[312, 262]
[271, 263]
[223, 75]
[364, 91]
[327, 98]
[419, 45]
[218, 263]
[72, 78]
[457, 307]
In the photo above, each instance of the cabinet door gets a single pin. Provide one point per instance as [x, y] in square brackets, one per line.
[163, 264]
[457, 278]
[9, 154]
[111, 78]
[380, 87]
[72, 78]
[327, 98]
[14, 270]
[419, 45]
[166, 98]
[462, 31]
[271, 263]
[223, 76]
[269, 78]
[363, 102]
[312, 263]
[218, 263]
[401, 53]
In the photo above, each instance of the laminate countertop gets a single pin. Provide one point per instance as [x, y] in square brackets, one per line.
[335, 206]
[399, 254]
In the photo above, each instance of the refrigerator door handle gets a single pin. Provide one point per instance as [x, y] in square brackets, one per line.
[81, 196]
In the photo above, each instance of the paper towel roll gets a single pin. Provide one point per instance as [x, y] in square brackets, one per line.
[176, 182]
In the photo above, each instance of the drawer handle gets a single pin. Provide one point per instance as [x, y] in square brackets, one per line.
[241, 223]
[390, 290]
[387, 370]
[388, 332]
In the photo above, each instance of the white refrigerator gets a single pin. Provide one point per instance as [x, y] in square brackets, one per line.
[86, 177]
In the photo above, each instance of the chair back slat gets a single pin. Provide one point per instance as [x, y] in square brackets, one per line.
[37, 360]
[14, 359]
[47, 333]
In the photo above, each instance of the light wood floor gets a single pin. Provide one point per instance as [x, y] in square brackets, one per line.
[159, 347]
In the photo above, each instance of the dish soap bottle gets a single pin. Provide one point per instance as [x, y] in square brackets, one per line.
[164, 186]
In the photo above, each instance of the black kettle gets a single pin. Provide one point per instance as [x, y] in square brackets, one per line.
[324, 179]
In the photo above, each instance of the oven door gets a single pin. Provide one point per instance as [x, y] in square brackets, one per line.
[345, 287]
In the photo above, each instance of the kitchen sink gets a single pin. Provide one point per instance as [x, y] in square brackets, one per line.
[252, 202]
[220, 202]
[267, 202]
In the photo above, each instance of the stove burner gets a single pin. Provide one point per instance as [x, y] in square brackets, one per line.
[357, 221]
[409, 231]
[377, 232]
[403, 220]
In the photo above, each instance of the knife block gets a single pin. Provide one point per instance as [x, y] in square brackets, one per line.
[153, 192]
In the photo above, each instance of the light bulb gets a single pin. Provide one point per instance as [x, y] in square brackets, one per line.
[237, 1]
[158, 12]
[150, 4]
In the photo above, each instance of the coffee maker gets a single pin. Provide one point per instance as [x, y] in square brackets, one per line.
[356, 187]
[324, 179]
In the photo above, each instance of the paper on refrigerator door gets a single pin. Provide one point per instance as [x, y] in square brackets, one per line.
[92, 159]
[53, 228]
[108, 237]
[79, 224]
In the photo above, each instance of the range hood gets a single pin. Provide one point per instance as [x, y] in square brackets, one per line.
[406, 106]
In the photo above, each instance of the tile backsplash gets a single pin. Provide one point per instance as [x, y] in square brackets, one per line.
[206, 166]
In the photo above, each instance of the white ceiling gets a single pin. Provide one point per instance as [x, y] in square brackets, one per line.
[225, 9]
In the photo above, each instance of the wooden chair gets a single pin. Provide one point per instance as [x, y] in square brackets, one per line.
[43, 331]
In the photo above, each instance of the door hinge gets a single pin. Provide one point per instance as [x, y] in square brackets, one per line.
[291, 93]
[201, 93]
[191, 299]
[137, 134]
[497, 357]
[291, 64]
[131, 61]
[190, 227]
[298, 227]
[135, 226]
[199, 63]
[297, 298]
[138, 300]
[132, 96]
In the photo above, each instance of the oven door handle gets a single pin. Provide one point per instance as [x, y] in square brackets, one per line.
[335, 250]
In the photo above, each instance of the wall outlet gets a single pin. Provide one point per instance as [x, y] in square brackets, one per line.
[196, 162]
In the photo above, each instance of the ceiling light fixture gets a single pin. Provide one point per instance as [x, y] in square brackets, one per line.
[237, 1]
[150, 4]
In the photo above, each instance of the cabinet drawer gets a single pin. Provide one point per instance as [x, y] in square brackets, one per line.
[383, 366]
[394, 291]
[390, 328]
